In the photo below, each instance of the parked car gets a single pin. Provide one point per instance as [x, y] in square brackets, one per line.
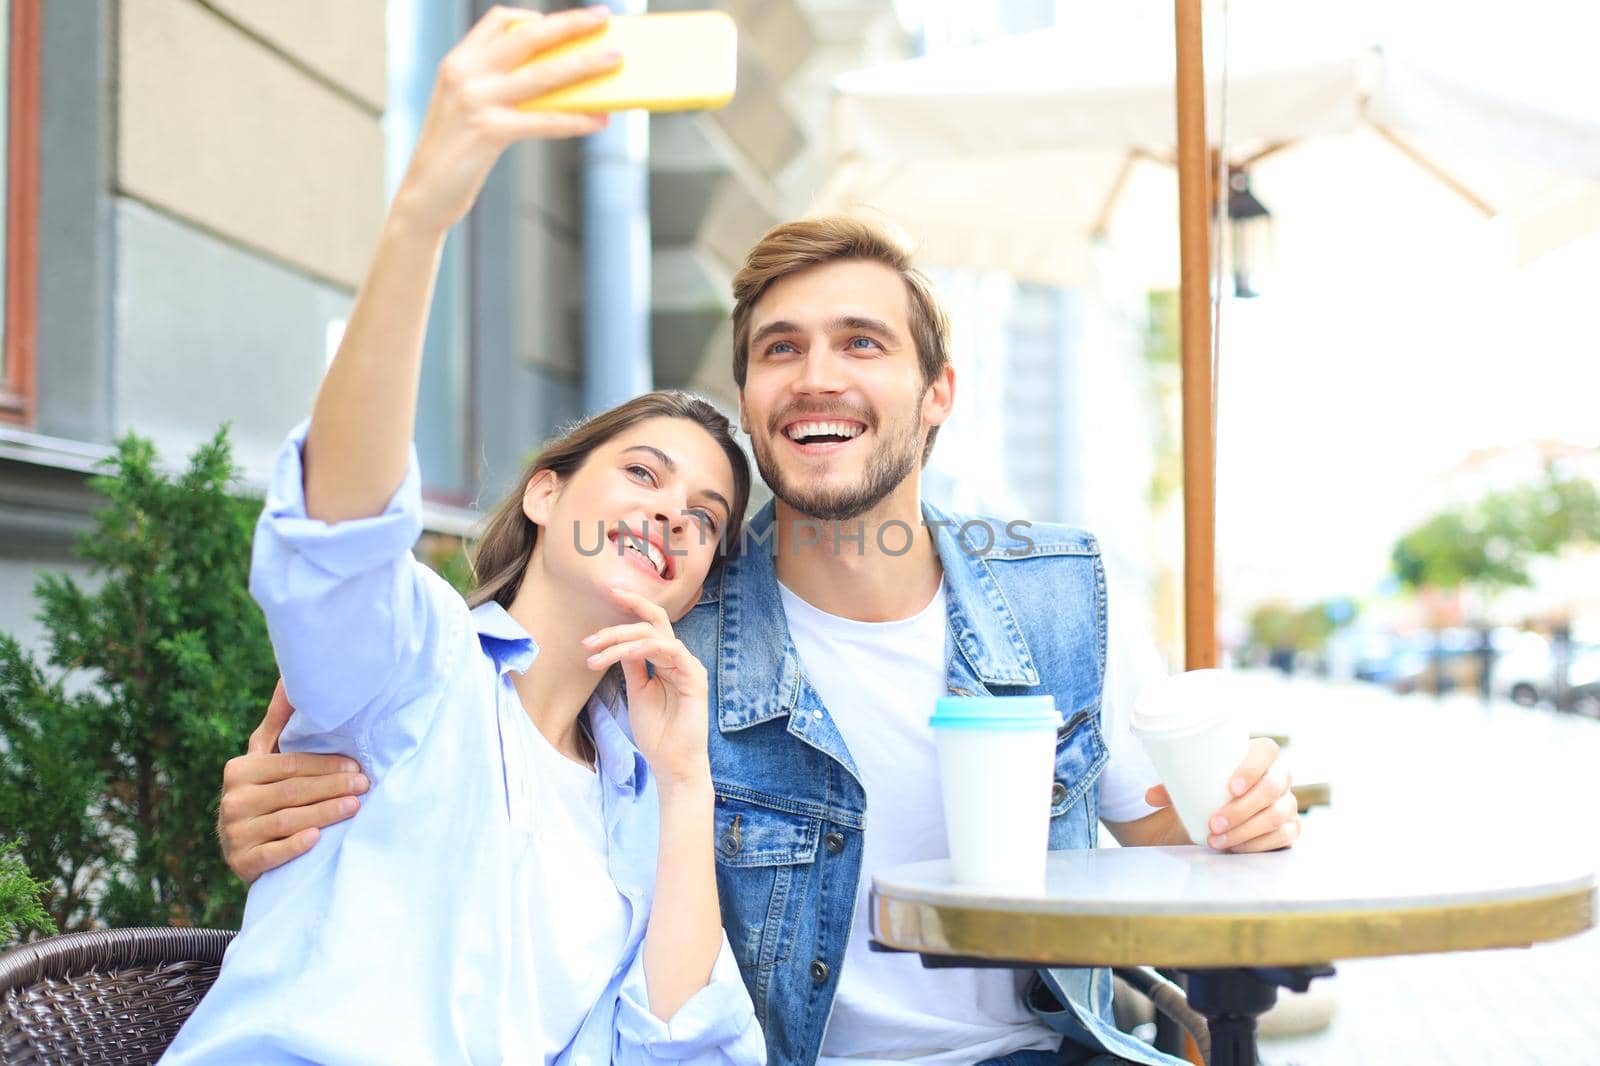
[1584, 696]
[1361, 654]
[1523, 666]
[1438, 662]
[1526, 673]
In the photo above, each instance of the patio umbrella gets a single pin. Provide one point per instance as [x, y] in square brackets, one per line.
[1028, 153]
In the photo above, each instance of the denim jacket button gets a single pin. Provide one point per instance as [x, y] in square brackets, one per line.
[819, 971]
[834, 842]
[1058, 793]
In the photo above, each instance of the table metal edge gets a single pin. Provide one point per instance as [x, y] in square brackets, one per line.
[1284, 938]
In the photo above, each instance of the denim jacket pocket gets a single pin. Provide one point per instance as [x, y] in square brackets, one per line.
[750, 834]
[764, 857]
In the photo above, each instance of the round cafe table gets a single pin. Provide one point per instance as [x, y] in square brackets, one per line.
[1241, 926]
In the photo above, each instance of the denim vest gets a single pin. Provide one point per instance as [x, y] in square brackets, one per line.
[1027, 615]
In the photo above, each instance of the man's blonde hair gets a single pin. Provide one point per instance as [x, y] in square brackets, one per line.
[809, 242]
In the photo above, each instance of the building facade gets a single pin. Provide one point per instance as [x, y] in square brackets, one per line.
[194, 188]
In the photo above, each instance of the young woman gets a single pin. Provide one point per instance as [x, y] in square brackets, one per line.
[530, 877]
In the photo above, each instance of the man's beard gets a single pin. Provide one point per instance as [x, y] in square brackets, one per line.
[890, 463]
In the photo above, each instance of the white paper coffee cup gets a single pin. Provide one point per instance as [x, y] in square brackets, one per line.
[1193, 729]
[996, 768]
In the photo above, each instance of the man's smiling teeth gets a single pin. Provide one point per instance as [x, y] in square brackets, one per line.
[648, 550]
[801, 430]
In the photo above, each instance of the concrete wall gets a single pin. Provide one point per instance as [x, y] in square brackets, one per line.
[228, 131]
[340, 42]
[17, 608]
[213, 184]
[208, 332]
[43, 507]
[211, 188]
[248, 192]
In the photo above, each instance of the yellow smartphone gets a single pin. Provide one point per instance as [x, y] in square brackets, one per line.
[679, 61]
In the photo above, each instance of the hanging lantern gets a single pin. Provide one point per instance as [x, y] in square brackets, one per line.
[1249, 234]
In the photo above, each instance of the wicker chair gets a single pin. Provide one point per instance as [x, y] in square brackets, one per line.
[121, 995]
[117, 996]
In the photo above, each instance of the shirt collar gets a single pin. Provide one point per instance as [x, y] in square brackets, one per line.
[619, 758]
[759, 669]
[503, 638]
[982, 623]
[510, 646]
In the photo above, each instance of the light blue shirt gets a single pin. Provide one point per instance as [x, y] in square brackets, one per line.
[404, 935]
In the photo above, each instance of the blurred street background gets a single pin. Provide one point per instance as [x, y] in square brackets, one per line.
[1443, 773]
[1406, 357]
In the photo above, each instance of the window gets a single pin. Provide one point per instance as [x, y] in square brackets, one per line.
[19, 194]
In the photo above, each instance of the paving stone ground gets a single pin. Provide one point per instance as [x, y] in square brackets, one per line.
[1424, 767]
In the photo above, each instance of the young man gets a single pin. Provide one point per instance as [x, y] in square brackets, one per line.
[851, 608]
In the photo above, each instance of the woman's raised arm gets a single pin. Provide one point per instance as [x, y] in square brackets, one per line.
[361, 427]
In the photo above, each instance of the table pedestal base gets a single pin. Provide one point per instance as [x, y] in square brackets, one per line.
[1230, 999]
[1233, 999]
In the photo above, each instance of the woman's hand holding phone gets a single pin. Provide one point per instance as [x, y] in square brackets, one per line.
[667, 704]
[473, 115]
[361, 428]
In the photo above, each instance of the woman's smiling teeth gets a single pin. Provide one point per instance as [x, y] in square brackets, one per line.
[823, 432]
[651, 554]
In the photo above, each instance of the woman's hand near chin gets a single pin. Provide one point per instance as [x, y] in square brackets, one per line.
[667, 709]
[666, 703]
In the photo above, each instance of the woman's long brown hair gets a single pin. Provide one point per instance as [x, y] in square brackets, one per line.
[501, 556]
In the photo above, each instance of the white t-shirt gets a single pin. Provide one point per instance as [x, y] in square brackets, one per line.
[569, 874]
[879, 681]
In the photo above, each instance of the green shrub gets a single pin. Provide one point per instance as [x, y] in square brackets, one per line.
[111, 751]
[21, 910]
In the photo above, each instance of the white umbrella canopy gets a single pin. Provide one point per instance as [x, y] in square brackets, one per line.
[1026, 153]
[1404, 142]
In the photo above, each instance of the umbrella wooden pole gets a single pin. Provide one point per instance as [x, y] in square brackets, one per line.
[1199, 469]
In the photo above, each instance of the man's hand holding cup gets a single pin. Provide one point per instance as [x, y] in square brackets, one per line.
[1262, 816]
[1229, 792]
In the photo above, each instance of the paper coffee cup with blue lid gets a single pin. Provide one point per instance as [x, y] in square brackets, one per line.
[995, 712]
[996, 769]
